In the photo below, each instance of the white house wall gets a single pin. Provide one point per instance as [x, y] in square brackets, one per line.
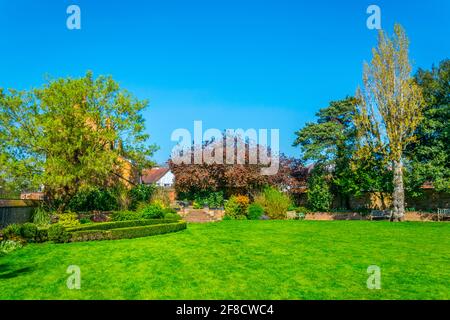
[166, 180]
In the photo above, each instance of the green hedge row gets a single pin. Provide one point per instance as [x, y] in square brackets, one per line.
[126, 232]
[27, 231]
[120, 224]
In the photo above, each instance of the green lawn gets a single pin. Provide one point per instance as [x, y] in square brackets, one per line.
[243, 260]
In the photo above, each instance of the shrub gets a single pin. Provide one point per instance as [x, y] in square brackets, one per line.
[159, 203]
[319, 195]
[160, 196]
[41, 216]
[208, 198]
[172, 216]
[42, 234]
[58, 233]
[12, 232]
[85, 220]
[127, 232]
[68, 219]
[243, 201]
[200, 200]
[198, 196]
[153, 211]
[8, 246]
[301, 210]
[99, 217]
[141, 206]
[215, 199]
[274, 202]
[236, 206]
[29, 231]
[94, 199]
[197, 205]
[170, 210]
[122, 195]
[231, 209]
[125, 215]
[140, 193]
[254, 211]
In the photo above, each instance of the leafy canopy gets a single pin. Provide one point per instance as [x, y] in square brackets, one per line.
[429, 154]
[70, 134]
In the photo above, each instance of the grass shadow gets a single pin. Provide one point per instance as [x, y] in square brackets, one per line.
[7, 271]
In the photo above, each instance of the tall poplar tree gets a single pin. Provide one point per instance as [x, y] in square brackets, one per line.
[389, 108]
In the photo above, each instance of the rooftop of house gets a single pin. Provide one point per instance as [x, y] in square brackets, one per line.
[153, 175]
[427, 185]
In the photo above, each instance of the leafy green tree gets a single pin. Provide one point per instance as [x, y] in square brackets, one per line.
[319, 194]
[329, 139]
[429, 154]
[71, 134]
[94, 199]
[369, 173]
[140, 193]
[330, 142]
[389, 108]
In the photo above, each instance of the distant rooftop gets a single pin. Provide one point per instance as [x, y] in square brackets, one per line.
[152, 175]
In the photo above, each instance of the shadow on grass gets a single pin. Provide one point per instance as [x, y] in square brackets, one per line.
[7, 271]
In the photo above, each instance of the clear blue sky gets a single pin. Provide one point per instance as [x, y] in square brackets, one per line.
[231, 64]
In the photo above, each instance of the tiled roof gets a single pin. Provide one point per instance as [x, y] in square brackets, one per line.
[427, 185]
[153, 175]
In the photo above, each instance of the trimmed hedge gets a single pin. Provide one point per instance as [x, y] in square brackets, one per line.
[58, 233]
[125, 215]
[120, 224]
[149, 229]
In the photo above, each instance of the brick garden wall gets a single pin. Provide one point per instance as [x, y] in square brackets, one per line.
[430, 200]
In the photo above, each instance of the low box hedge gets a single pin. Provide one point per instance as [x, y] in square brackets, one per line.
[120, 224]
[128, 232]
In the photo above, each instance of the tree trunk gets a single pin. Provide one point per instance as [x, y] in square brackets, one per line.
[383, 202]
[398, 196]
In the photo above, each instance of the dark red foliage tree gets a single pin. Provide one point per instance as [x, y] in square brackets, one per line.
[236, 178]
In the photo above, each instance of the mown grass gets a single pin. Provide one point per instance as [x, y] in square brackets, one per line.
[243, 260]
